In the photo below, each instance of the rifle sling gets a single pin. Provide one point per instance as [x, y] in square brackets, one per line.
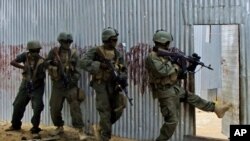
[37, 63]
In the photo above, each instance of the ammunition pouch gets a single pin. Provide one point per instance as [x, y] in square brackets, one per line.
[103, 75]
[164, 81]
[53, 72]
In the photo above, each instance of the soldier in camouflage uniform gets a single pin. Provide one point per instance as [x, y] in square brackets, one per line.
[32, 87]
[109, 102]
[164, 80]
[63, 67]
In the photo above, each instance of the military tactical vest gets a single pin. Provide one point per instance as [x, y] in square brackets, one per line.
[159, 80]
[63, 56]
[111, 55]
[31, 67]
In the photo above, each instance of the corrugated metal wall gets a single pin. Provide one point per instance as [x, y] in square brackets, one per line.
[136, 21]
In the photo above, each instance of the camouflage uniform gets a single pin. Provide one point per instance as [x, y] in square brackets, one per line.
[64, 87]
[165, 87]
[33, 72]
[109, 102]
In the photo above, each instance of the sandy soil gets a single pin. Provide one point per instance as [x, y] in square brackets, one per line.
[208, 125]
[69, 133]
[205, 127]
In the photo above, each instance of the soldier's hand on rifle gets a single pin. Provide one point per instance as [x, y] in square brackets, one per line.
[192, 67]
[182, 74]
[122, 80]
[104, 66]
[196, 58]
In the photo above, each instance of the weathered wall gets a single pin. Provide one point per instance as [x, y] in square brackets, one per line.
[136, 21]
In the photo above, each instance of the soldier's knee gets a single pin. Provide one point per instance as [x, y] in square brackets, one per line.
[19, 104]
[39, 108]
[171, 119]
[170, 114]
[55, 110]
[37, 112]
[37, 105]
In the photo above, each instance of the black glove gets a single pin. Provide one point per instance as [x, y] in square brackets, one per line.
[182, 74]
[194, 63]
[192, 67]
[122, 80]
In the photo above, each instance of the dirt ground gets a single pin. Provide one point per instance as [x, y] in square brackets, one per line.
[204, 127]
[69, 133]
[208, 125]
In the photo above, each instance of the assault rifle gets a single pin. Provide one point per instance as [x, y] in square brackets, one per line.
[121, 83]
[61, 70]
[182, 59]
[63, 75]
[29, 85]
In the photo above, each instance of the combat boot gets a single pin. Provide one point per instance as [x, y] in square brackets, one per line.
[57, 131]
[220, 110]
[11, 128]
[35, 130]
[82, 135]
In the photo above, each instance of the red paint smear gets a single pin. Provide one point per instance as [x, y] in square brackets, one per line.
[134, 57]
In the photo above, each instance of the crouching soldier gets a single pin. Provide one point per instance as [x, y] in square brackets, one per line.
[31, 88]
[62, 64]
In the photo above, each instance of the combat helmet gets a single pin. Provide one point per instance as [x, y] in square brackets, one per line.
[108, 33]
[33, 45]
[64, 36]
[162, 36]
